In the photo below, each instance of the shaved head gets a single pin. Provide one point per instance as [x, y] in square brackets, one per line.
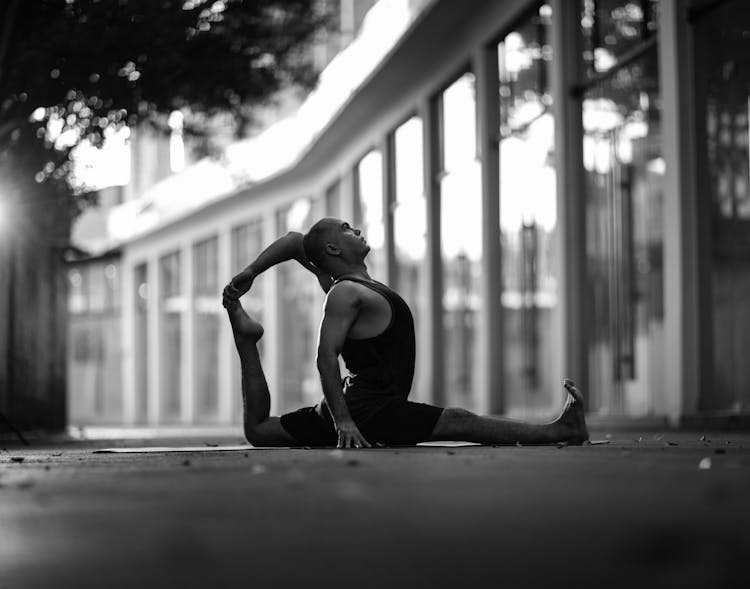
[315, 240]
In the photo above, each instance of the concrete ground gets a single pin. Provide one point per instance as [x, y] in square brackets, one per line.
[644, 510]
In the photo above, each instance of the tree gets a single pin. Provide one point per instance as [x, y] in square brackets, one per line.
[70, 71]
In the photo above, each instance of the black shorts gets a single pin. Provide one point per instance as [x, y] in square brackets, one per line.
[396, 422]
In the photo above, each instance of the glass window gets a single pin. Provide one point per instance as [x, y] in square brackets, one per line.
[77, 298]
[206, 291]
[721, 38]
[300, 313]
[461, 222]
[172, 306]
[246, 244]
[141, 297]
[370, 191]
[528, 216]
[624, 235]
[409, 228]
[612, 28]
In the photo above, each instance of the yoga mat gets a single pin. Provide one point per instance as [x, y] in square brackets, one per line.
[156, 449]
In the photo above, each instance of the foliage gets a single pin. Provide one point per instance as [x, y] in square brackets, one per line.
[74, 70]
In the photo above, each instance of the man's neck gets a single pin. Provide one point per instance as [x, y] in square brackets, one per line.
[353, 272]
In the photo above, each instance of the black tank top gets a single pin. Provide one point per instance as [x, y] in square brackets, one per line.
[383, 363]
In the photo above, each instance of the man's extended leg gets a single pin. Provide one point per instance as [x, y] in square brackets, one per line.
[260, 429]
[570, 426]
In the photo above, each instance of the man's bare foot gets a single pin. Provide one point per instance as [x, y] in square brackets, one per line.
[244, 328]
[572, 420]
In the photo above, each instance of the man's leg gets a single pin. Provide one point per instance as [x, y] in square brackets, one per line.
[260, 429]
[570, 426]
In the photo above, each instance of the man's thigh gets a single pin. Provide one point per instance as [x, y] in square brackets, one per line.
[403, 423]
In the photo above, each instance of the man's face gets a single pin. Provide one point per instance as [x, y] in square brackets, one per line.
[351, 240]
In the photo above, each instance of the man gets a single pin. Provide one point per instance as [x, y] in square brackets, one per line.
[371, 327]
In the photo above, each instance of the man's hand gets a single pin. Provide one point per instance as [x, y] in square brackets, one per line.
[350, 436]
[243, 281]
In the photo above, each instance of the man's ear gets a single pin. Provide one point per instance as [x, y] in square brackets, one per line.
[333, 249]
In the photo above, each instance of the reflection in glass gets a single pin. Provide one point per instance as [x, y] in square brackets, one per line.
[94, 360]
[299, 315]
[206, 338]
[140, 296]
[246, 243]
[370, 191]
[612, 28]
[409, 227]
[625, 168]
[528, 216]
[173, 305]
[461, 234]
[722, 44]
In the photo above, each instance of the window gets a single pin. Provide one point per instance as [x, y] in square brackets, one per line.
[410, 226]
[172, 306]
[206, 292]
[370, 192]
[461, 221]
[528, 215]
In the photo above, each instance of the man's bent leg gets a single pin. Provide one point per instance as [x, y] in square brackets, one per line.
[260, 429]
[570, 426]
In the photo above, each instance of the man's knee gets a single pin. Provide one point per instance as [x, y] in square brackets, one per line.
[268, 432]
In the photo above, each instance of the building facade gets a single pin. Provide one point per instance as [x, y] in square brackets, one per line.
[557, 189]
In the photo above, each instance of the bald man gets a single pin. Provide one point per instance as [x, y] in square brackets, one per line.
[371, 327]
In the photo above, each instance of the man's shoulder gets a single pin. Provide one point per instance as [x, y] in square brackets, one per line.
[346, 292]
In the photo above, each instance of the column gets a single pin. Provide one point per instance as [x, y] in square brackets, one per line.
[127, 304]
[681, 281]
[430, 112]
[272, 366]
[570, 188]
[153, 313]
[187, 341]
[226, 346]
[387, 148]
[490, 332]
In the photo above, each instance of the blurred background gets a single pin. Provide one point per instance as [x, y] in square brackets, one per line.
[556, 188]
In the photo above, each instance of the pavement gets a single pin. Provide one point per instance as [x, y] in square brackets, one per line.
[649, 509]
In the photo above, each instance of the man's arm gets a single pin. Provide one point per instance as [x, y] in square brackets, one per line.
[287, 247]
[341, 310]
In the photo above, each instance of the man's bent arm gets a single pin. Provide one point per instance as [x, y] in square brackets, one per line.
[287, 247]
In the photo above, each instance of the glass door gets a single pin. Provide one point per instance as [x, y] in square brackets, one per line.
[624, 235]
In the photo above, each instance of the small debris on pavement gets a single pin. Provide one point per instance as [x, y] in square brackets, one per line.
[561, 445]
[17, 458]
[658, 437]
[702, 438]
[295, 476]
[670, 443]
[597, 442]
[705, 463]
[519, 444]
